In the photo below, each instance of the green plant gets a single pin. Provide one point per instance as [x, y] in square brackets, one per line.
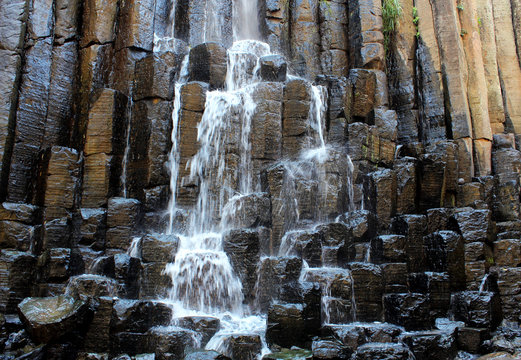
[391, 13]
[416, 21]
[463, 32]
[480, 23]
[415, 17]
[460, 7]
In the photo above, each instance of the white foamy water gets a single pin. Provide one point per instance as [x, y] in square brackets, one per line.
[203, 279]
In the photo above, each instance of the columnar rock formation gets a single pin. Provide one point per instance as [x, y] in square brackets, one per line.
[411, 218]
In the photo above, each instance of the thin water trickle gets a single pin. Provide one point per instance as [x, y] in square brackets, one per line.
[124, 162]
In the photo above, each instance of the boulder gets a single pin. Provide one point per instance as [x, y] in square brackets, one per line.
[273, 68]
[206, 327]
[208, 63]
[247, 211]
[286, 325]
[388, 248]
[430, 345]
[410, 310]
[138, 316]
[93, 286]
[368, 291]
[477, 309]
[277, 276]
[326, 349]
[206, 355]
[17, 274]
[159, 248]
[48, 319]
[242, 247]
[387, 351]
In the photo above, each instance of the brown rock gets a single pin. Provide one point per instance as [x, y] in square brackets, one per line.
[208, 63]
[99, 20]
[476, 85]
[96, 180]
[507, 253]
[455, 71]
[380, 195]
[62, 182]
[105, 128]
[305, 38]
[136, 25]
[508, 63]
[63, 73]
[487, 35]
[368, 291]
[66, 23]
[30, 120]
[365, 34]
[17, 271]
[155, 76]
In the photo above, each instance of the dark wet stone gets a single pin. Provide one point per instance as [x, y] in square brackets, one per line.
[170, 342]
[248, 211]
[18, 236]
[273, 68]
[471, 339]
[242, 247]
[362, 223]
[477, 309]
[56, 264]
[127, 271]
[159, 248]
[244, 347]
[383, 351]
[24, 213]
[444, 252]
[97, 338]
[138, 316]
[436, 286]
[430, 345]
[286, 325]
[93, 227]
[17, 273]
[388, 248]
[328, 349]
[208, 63]
[368, 291]
[48, 319]
[205, 355]
[154, 76]
[475, 225]
[364, 88]
[206, 327]
[92, 286]
[410, 310]
[380, 195]
[123, 219]
[277, 277]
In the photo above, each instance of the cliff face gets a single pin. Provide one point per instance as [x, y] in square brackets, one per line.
[413, 216]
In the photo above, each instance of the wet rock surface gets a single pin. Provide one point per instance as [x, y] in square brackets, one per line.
[364, 184]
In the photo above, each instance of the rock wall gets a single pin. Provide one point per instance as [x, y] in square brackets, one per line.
[431, 125]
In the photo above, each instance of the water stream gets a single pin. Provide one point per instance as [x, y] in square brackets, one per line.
[204, 282]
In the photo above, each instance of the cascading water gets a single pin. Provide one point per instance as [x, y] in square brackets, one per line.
[204, 282]
[202, 276]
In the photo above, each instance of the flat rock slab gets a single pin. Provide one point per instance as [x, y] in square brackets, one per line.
[49, 318]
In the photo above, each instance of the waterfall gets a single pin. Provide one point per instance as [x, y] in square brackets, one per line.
[246, 20]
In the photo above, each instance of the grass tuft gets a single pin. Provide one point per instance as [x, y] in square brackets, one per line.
[391, 13]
